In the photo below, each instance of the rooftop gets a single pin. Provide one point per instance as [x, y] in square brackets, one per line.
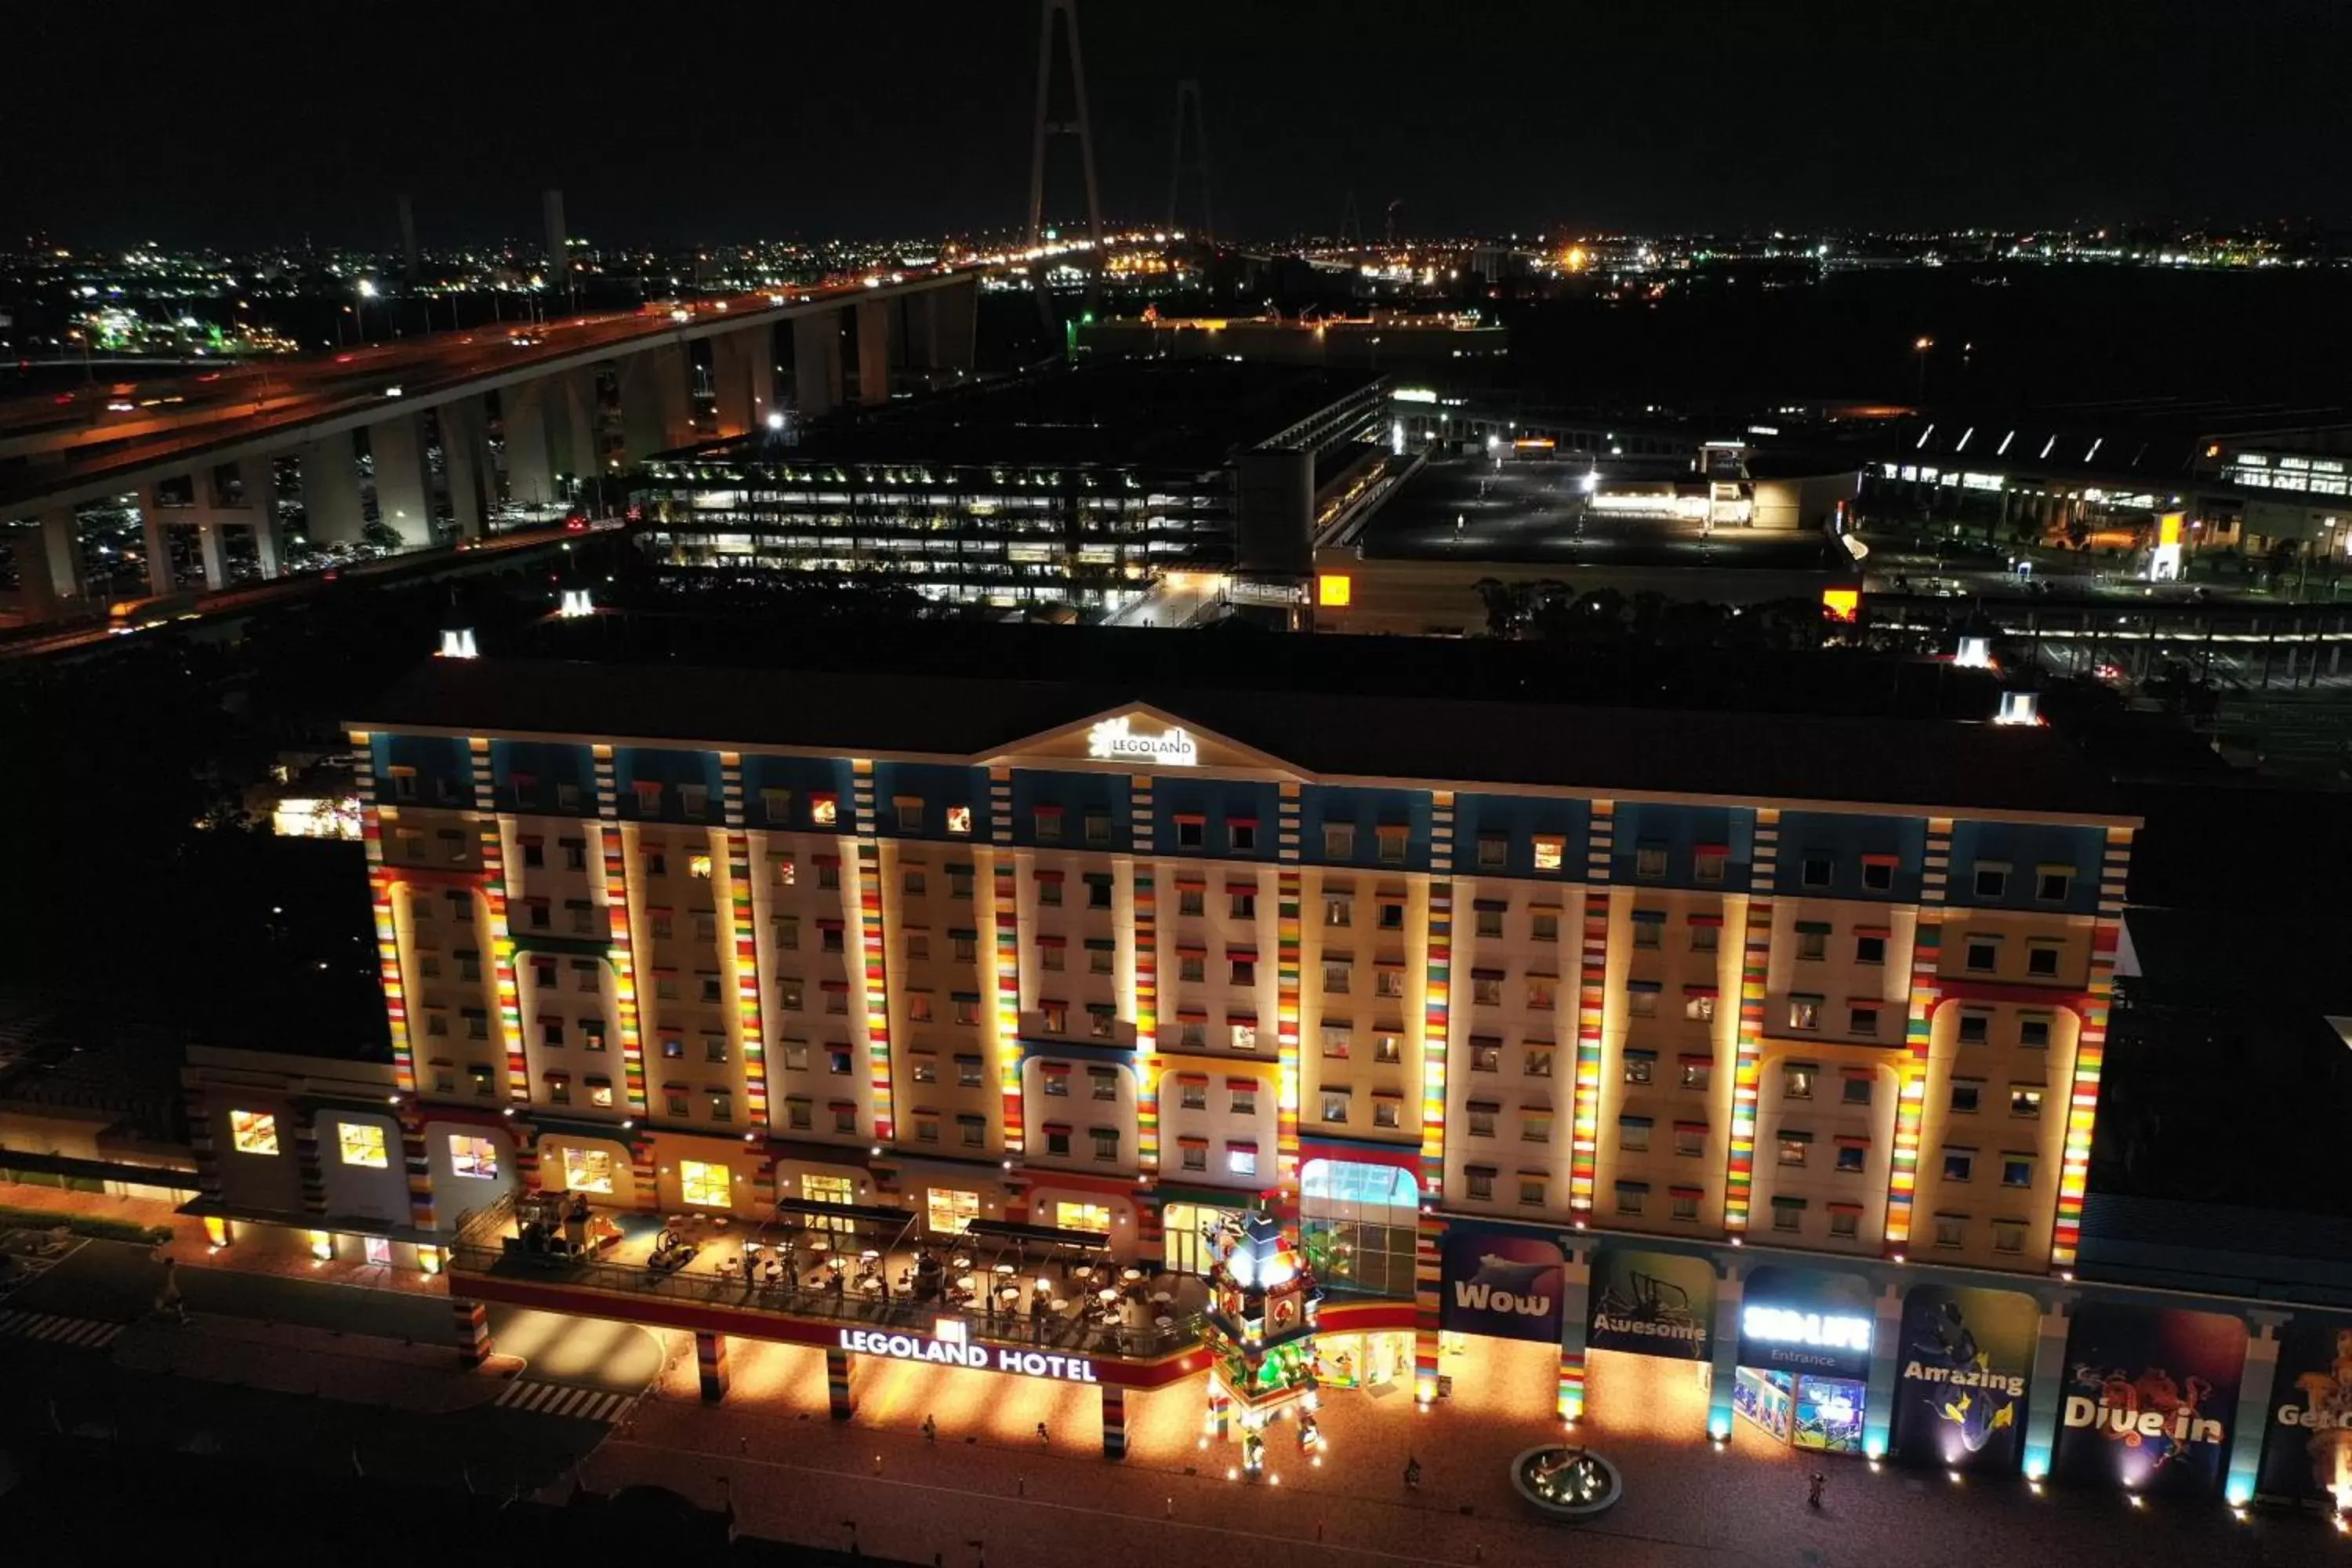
[1189, 413]
[1762, 756]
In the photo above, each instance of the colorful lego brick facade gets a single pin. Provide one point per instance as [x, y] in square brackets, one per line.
[1754, 970]
[2090, 1053]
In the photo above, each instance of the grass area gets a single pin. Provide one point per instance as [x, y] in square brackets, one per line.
[89, 1224]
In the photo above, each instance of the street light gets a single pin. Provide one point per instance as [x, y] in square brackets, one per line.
[1920, 347]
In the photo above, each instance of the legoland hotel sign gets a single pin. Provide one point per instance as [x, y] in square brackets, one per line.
[983, 1358]
[1117, 741]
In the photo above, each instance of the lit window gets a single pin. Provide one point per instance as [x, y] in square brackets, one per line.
[1387, 1114]
[824, 810]
[1699, 1009]
[2024, 1100]
[1794, 1147]
[587, 1170]
[1804, 1013]
[705, 1184]
[1551, 852]
[474, 1157]
[1335, 1105]
[252, 1132]
[959, 819]
[1695, 1075]
[1797, 1081]
[1241, 1160]
[698, 866]
[362, 1144]
[1640, 1066]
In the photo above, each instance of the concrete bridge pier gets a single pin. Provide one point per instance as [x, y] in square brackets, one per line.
[464, 463]
[522, 423]
[743, 379]
[330, 490]
[657, 413]
[48, 561]
[875, 354]
[816, 363]
[403, 490]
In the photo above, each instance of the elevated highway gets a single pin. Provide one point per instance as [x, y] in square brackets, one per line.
[455, 422]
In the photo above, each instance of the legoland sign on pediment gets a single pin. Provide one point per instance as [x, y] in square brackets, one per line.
[1118, 741]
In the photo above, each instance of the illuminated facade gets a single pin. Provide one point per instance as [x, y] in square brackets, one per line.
[1117, 968]
[1076, 489]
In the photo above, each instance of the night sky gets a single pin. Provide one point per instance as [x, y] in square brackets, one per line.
[870, 118]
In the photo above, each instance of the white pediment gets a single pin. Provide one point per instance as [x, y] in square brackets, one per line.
[1140, 737]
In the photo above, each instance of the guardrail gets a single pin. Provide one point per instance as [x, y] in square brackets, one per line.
[791, 1299]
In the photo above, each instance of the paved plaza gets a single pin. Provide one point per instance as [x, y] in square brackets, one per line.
[1058, 1503]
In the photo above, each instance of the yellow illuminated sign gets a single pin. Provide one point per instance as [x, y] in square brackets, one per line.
[1333, 590]
[1841, 604]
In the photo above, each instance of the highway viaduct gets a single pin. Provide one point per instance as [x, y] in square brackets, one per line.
[208, 461]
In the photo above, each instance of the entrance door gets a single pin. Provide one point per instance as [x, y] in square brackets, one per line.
[829, 1190]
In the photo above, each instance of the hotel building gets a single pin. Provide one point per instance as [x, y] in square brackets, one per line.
[1736, 989]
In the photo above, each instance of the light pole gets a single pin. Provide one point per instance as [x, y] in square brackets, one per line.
[367, 292]
[1920, 347]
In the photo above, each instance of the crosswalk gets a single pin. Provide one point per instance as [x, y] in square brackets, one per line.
[564, 1399]
[82, 1333]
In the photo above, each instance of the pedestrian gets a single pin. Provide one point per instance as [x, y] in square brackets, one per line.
[931, 1430]
[1814, 1483]
[167, 1299]
[1044, 1438]
[1412, 1474]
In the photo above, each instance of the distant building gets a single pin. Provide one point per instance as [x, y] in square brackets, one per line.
[1399, 344]
[1077, 487]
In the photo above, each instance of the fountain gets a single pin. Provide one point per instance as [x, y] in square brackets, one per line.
[1562, 1482]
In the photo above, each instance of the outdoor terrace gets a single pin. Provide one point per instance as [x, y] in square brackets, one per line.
[857, 1266]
